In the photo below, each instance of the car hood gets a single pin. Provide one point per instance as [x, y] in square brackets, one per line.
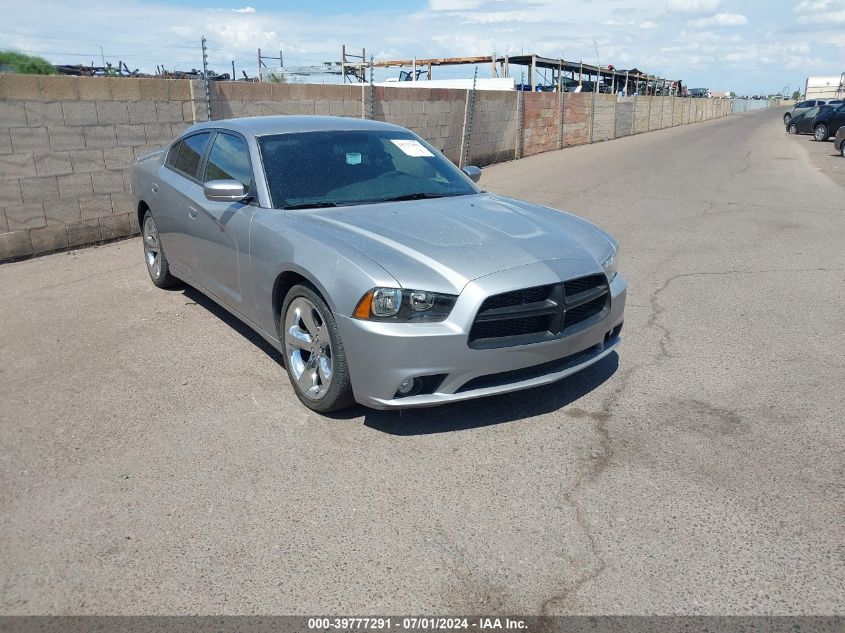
[443, 243]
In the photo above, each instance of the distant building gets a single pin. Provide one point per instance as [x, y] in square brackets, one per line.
[822, 88]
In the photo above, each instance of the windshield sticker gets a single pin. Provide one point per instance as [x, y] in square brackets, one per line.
[353, 158]
[411, 147]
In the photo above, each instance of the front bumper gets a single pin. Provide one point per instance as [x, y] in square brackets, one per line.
[381, 354]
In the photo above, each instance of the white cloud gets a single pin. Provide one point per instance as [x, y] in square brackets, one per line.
[245, 10]
[453, 5]
[830, 19]
[693, 6]
[813, 6]
[835, 40]
[648, 24]
[720, 19]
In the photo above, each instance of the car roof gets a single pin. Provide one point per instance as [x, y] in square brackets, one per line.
[288, 124]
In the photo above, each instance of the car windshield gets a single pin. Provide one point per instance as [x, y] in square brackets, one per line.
[337, 168]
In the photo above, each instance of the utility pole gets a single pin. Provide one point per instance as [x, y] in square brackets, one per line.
[468, 121]
[205, 77]
[372, 91]
[598, 67]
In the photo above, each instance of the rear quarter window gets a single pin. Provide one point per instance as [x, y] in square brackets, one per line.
[190, 153]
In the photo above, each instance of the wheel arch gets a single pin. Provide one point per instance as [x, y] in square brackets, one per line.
[142, 209]
[286, 280]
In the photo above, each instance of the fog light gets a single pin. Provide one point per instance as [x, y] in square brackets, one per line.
[409, 387]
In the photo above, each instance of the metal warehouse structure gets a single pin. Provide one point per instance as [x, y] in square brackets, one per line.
[824, 87]
[548, 73]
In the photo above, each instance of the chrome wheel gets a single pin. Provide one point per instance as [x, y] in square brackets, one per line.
[308, 348]
[821, 133]
[793, 129]
[152, 248]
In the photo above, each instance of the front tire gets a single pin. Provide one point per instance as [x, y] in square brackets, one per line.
[154, 256]
[820, 133]
[314, 356]
[793, 129]
[786, 118]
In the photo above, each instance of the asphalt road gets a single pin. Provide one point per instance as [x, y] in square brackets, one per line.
[153, 458]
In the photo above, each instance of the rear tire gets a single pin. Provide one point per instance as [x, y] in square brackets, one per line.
[314, 356]
[842, 148]
[154, 256]
[821, 133]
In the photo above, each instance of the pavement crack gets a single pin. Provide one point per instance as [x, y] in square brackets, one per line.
[603, 459]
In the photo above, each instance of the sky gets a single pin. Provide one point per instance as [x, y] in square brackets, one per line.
[748, 46]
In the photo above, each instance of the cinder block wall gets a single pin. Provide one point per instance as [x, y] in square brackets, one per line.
[495, 128]
[604, 118]
[67, 143]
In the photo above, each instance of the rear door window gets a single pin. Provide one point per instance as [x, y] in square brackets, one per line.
[229, 160]
[173, 154]
[190, 154]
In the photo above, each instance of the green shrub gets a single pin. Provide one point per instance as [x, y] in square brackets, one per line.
[26, 64]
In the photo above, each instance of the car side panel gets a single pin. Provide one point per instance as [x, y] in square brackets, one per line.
[279, 244]
[219, 255]
[169, 200]
[837, 120]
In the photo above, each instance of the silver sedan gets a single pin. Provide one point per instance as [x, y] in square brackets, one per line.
[379, 269]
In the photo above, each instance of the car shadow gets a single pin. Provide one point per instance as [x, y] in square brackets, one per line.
[458, 416]
[192, 294]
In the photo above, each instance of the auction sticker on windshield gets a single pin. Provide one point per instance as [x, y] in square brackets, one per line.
[411, 147]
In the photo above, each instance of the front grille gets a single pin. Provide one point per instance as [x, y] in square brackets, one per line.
[580, 313]
[517, 297]
[540, 313]
[510, 327]
[582, 284]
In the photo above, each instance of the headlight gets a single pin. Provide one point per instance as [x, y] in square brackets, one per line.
[397, 304]
[609, 264]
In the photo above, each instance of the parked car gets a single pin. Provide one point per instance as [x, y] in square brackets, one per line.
[379, 269]
[839, 141]
[827, 123]
[800, 107]
[802, 123]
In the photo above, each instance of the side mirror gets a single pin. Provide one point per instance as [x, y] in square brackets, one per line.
[474, 173]
[224, 190]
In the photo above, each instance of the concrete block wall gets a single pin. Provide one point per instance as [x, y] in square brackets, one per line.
[577, 110]
[541, 122]
[495, 128]
[624, 124]
[642, 108]
[604, 118]
[67, 143]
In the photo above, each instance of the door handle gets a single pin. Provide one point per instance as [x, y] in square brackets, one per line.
[155, 187]
[193, 213]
